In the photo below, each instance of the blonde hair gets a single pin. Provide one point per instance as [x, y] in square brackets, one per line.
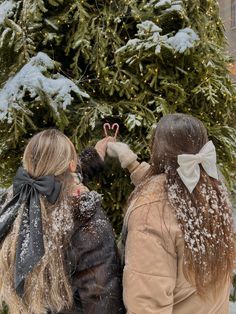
[47, 286]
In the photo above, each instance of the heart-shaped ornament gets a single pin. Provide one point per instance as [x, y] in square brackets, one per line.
[107, 127]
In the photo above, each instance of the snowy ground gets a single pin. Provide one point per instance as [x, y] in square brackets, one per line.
[232, 308]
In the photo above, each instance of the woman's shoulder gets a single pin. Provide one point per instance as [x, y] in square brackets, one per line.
[89, 216]
[92, 241]
[156, 184]
[151, 207]
[85, 205]
[91, 225]
[151, 190]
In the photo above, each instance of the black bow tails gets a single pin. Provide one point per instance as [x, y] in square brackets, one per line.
[30, 247]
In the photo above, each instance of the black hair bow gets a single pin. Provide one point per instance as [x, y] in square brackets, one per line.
[30, 247]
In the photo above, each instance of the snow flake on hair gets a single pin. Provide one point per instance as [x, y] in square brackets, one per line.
[62, 219]
[61, 224]
[26, 235]
[202, 221]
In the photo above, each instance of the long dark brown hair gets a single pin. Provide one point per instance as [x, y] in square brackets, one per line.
[205, 215]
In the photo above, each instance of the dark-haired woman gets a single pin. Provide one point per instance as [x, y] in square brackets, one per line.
[178, 230]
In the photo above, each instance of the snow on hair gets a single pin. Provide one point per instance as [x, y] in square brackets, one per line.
[47, 286]
[205, 215]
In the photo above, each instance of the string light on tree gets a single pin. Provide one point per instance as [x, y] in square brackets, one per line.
[86, 42]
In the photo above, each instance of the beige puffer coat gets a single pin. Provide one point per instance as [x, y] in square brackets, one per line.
[153, 274]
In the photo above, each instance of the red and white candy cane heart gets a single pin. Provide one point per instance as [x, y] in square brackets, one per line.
[106, 127]
[115, 127]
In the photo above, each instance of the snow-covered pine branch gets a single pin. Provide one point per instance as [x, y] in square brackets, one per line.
[148, 37]
[184, 39]
[165, 5]
[32, 78]
[6, 9]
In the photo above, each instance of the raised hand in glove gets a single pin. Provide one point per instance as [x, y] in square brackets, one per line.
[101, 146]
[123, 152]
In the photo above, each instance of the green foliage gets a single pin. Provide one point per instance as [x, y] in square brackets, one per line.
[233, 293]
[4, 309]
[133, 70]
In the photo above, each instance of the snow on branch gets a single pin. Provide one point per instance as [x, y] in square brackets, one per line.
[183, 39]
[33, 78]
[175, 6]
[6, 9]
[165, 5]
[148, 37]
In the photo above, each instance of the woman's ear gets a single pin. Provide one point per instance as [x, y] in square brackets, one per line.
[72, 166]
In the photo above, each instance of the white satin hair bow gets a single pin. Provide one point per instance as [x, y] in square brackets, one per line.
[189, 170]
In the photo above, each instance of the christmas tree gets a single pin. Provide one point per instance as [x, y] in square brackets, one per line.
[76, 64]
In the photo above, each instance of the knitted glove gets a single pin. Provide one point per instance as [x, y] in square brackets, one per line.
[123, 152]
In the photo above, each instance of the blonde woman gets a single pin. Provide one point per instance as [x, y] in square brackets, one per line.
[58, 252]
[178, 229]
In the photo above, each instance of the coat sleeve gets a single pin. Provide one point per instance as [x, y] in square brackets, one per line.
[150, 267]
[137, 171]
[97, 279]
[90, 164]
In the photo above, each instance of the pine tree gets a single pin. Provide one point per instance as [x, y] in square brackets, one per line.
[76, 64]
